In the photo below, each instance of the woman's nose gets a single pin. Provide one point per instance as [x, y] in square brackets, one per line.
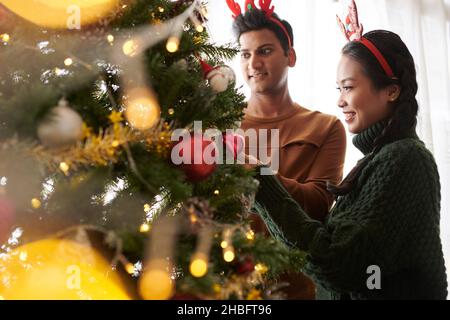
[341, 101]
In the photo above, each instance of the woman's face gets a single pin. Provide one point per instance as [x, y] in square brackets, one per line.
[361, 103]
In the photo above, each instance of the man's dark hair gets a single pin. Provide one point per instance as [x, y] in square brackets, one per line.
[256, 19]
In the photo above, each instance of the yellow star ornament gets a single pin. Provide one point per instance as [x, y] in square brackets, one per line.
[115, 117]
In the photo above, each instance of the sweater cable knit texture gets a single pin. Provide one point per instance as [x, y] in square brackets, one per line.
[390, 219]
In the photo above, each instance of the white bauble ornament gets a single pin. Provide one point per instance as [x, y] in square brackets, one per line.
[228, 73]
[217, 81]
[220, 78]
[63, 126]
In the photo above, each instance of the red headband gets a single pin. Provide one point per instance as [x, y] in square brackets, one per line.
[353, 31]
[265, 7]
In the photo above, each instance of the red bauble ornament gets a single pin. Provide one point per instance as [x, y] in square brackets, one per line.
[196, 156]
[7, 214]
[246, 266]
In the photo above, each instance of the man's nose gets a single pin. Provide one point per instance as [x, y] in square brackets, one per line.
[255, 62]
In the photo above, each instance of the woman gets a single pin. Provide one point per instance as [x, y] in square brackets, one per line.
[381, 240]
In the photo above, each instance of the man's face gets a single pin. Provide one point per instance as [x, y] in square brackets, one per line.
[264, 63]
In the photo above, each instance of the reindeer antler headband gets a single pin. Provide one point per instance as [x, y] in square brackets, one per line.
[353, 31]
[265, 6]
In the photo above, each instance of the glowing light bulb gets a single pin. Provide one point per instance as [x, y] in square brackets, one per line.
[199, 28]
[130, 48]
[193, 218]
[229, 255]
[64, 167]
[155, 283]
[68, 62]
[35, 203]
[224, 244]
[129, 267]
[142, 109]
[110, 38]
[199, 266]
[173, 44]
[145, 227]
[5, 37]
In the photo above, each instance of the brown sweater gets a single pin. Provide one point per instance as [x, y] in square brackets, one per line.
[312, 151]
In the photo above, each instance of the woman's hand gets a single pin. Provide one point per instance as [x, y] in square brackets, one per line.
[251, 162]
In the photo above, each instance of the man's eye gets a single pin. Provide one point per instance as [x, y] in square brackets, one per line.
[245, 55]
[348, 88]
[266, 51]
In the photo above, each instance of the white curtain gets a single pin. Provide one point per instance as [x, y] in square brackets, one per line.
[424, 25]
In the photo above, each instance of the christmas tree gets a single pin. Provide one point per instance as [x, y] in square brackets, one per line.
[93, 203]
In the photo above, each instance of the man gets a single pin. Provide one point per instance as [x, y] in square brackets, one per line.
[311, 144]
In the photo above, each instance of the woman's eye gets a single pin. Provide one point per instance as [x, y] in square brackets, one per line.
[346, 89]
[245, 55]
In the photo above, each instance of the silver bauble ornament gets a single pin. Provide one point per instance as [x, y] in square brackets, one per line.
[63, 126]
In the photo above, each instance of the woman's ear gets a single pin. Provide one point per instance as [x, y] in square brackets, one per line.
[393, 92]
[292, 56]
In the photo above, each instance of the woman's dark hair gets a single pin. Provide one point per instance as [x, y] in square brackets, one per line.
[256, 19]
[403, 119]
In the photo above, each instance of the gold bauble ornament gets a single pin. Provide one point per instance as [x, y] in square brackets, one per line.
[62, 14]
[55, 269]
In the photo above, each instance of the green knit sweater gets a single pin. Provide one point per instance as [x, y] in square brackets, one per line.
[390, 219]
